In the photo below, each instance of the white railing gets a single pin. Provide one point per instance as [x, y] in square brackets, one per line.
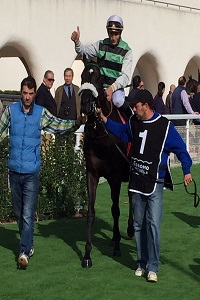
[186, 117]
[79, 136]
[167, 4]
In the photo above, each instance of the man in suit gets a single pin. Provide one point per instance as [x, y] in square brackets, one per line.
[67, 98]
[43, 96]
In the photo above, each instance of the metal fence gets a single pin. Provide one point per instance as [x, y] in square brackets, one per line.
[190, 134]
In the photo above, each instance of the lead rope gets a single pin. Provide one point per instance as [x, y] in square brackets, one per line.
[196, 196]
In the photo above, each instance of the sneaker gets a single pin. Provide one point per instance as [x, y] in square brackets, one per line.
[23, 261]
[139, 272]
[31, 252]
[152, 277]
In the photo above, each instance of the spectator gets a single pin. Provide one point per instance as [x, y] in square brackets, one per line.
[153, 137]
[142, 85]
[180, 102]
[43, 96]
[25, 120]
[168, 104]
[114, 57]
[137, 84]
[67, 98]
[158, 103]
[196, 103]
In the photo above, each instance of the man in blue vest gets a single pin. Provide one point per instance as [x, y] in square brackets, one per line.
[149, 173]
[114, 57]
[25, 120]
[180, 102]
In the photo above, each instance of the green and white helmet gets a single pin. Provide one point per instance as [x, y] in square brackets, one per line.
[115, 24]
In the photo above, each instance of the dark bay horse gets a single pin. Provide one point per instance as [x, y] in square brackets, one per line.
[191, 86]
[103, 156]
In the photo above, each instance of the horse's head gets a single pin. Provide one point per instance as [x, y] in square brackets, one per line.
[191, 86]
[91, 89]
[89, 97]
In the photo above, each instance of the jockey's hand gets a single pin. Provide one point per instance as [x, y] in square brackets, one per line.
[76, 35]
[109, 92]
[187, 179]
[196, 112]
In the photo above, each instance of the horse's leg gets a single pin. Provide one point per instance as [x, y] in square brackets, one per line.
[92, 182]
[115, 187]
[130, 228]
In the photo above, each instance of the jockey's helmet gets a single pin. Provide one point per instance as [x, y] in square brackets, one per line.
[115, 24]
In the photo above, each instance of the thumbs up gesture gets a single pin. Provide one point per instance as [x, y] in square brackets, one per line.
[75, 35]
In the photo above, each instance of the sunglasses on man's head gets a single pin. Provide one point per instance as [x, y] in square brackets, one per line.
[51, 79]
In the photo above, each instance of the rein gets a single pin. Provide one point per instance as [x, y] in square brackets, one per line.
[111, 109]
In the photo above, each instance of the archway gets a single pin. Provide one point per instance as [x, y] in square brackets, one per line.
[146, 68]
[77, 67]
[193, 68]
[13, 67]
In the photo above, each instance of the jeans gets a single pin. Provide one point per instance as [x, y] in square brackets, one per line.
[24, 190]
[147, 218]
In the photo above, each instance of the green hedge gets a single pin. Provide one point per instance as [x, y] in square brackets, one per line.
[12, 92]
[62, 181]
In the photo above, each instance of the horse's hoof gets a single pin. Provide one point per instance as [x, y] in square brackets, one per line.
[130, 232]
[117, 253]
[87, 263]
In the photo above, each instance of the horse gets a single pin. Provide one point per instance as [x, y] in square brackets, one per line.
[191, 86]
[105, 156]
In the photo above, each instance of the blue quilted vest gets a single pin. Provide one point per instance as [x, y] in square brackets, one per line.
[25, 139]
[177, 104]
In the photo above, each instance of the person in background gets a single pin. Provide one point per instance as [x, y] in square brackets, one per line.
[114, 57]
[142, 85]
[196, 103]
[168, 104]
[137, 84]
[154, 137]
[25, 120]
[180, 102]
[67, 98]
[158, 104]
[43, 95]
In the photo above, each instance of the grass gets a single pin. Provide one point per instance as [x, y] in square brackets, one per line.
[55, 270]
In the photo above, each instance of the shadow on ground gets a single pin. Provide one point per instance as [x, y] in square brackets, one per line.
[193, 221]
[72, 232]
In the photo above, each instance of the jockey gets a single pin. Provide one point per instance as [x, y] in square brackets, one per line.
[114, 58]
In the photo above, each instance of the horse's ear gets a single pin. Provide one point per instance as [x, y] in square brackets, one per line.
[85, 60]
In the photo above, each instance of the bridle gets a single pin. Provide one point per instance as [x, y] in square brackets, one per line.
[94, 104]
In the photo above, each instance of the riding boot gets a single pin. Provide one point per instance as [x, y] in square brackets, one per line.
[126, 109]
